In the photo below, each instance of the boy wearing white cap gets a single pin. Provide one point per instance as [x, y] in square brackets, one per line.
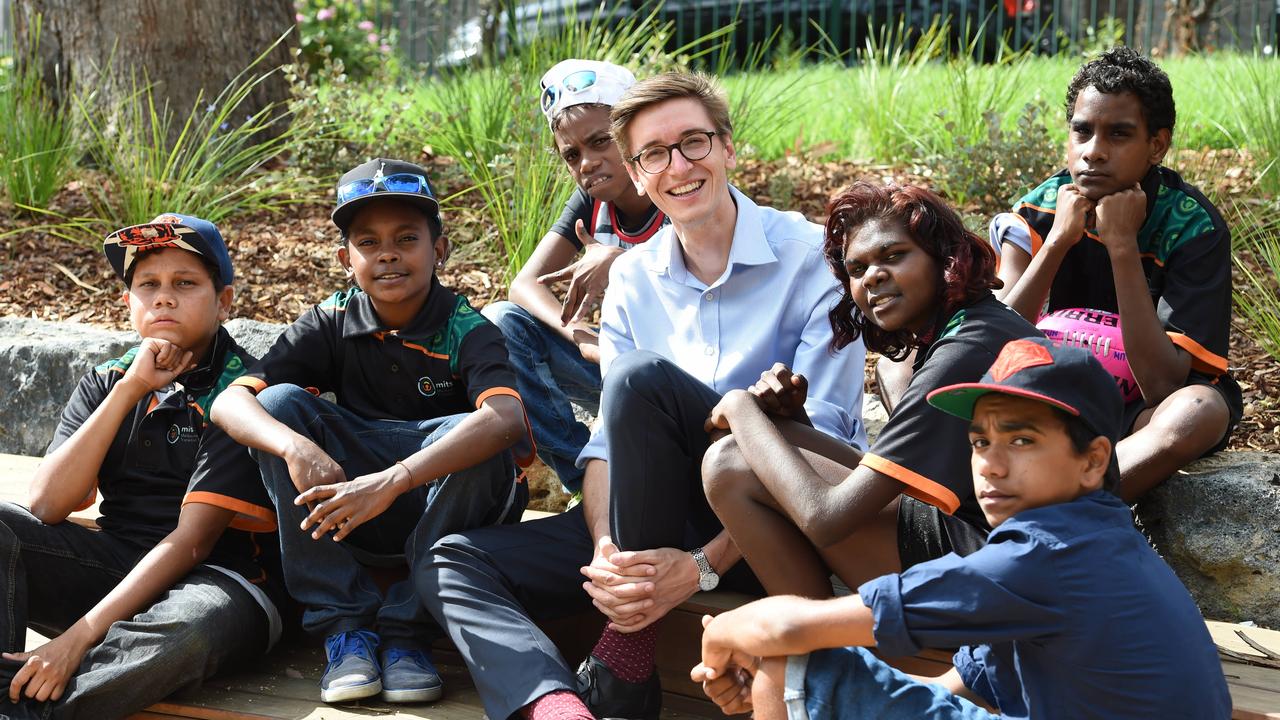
[553, 347]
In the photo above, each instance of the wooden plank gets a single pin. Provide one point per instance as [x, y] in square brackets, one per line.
[16, 472]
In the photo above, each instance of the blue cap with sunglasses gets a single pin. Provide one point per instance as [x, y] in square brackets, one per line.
[582, 82]
[382, 178]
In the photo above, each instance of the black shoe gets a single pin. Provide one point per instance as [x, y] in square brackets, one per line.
[608, 697]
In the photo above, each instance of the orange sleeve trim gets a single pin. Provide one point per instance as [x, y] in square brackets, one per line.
[1201, 359]
[88, 499]
[523, 461]
[1036, 240]
[251, 518]
[491, 392]
[918, 486]
[255, 385]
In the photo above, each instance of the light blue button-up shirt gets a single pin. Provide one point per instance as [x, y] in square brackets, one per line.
[769, 306]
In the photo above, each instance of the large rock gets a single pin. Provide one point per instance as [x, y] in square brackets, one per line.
[1218, 525]
[41, 362]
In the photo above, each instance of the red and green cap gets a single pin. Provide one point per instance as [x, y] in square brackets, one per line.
[168, 230]
[1068, 378]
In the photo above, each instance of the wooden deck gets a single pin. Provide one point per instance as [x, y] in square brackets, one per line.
[285, 686]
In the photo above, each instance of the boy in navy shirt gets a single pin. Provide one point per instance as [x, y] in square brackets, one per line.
[1066, 612]
[554, 348]
[1117, 231]
[140, 609]
[416, 446]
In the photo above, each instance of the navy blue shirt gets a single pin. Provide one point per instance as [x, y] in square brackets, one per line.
[1067, 613]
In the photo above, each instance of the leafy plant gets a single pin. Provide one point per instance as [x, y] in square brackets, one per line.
[339, 31]
[1001, 165]
[211, 165]
[1252, 111]
[1255, 293]
[38, 143]
[883, 82]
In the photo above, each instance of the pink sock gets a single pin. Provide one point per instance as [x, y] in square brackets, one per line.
[629, 656]
[556, 705]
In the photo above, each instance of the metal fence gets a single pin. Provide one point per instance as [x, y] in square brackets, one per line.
[435, 31]
[448, 31]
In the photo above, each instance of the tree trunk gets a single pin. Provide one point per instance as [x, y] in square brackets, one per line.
[180, 48]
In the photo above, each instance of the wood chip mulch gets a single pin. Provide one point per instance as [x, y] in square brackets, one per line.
[286, 261]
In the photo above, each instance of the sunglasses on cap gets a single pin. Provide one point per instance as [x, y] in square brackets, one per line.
[573, 82]
[398, 183]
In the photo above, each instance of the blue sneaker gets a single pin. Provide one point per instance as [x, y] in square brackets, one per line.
[408, 676]
[352, 672]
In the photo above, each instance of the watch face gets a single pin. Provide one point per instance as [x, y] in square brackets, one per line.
[708, 581]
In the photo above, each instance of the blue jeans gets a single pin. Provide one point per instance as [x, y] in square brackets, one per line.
[330, 579]
[550, 372]
[53, 574]
[852, 683]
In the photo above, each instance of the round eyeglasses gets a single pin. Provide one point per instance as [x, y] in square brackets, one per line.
[693, 146]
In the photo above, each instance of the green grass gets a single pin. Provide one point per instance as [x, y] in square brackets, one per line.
[38, 143]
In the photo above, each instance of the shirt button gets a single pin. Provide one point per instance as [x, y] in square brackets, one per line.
[395, 368]
[710, 350]
[710, 296]
[146, 443]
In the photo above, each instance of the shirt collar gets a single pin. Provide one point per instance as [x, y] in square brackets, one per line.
[750, 246]
[210, 369]
[362, 319]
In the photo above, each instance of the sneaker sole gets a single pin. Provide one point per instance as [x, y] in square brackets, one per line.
[414, 695]
[351, 692]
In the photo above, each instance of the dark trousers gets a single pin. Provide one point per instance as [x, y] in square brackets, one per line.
[488, 587]
[54, 574]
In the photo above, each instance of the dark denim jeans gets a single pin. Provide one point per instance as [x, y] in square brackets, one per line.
[54, 574]
[330, 579]
[550, 372]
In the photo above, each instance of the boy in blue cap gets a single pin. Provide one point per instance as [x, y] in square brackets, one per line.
[1066, 612]
[415, 447]
[133, 611]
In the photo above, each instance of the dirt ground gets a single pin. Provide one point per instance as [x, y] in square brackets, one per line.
[285, 262]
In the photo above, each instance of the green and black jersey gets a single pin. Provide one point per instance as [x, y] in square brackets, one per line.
[166, 454]
[1186, 256]
[448, 360]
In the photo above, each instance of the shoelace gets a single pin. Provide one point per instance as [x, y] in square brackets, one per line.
[418, 657]
[358, 642]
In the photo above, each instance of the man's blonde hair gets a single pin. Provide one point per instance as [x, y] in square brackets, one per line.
[664, 87]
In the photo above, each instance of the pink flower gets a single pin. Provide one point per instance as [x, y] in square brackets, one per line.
[325, 14]
[372, 38]
[299, 17]
[385, 48]
[365, 25]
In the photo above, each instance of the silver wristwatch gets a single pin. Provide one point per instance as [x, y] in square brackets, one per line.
[707, 577]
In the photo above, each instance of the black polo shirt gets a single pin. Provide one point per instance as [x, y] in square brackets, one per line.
[150, 461]
[1186, 256]
[448, 360]
[926, 449]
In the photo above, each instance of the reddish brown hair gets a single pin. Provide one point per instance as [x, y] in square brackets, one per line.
[967, 262]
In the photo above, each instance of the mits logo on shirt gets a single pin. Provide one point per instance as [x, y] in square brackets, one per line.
[179, 434]
[428, 387]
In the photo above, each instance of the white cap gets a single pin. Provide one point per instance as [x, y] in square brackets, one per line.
[607, 83]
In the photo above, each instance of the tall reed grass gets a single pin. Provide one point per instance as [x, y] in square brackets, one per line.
[38, 142]
[207, 160]
[1256, 293]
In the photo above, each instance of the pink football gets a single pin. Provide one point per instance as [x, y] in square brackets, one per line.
[1097, 331]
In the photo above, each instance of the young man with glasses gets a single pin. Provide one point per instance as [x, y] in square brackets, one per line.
[706, 306]
[553, 345]
[416, 446]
